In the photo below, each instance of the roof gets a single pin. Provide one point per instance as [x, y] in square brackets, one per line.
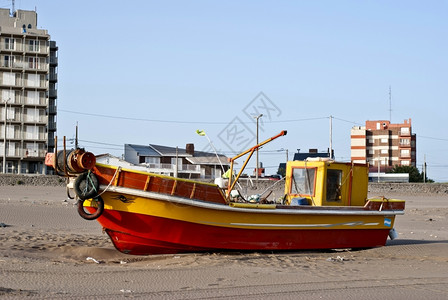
[206, 158]
[168, 151]
[143, 150]
[305, 155]
[199, 158]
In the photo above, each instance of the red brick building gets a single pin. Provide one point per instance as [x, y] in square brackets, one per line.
[383, 145]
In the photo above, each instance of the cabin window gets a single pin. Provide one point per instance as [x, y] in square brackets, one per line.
[303, 181]
[334, 181]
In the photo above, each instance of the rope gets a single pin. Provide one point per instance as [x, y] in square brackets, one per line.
[89, 179]
[112, 180]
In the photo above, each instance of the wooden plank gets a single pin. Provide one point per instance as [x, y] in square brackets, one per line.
[148, 180]
[117, 177]
[174, 187]
[193, 190]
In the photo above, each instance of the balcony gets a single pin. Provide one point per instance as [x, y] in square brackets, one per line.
[51, 126]
[20, 82]
[17, 65]
[53, 93]
[52, 110]
[53, 60]
[53, 77]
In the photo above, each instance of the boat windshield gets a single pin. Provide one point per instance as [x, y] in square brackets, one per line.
[303, 181]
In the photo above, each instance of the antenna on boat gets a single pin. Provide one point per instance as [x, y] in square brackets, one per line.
[331, 138]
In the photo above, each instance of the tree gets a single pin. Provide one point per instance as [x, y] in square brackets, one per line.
[414, 174]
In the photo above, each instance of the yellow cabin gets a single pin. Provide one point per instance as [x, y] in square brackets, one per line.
[324, 182]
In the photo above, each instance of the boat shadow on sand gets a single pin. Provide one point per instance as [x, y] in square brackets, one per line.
[400, 242]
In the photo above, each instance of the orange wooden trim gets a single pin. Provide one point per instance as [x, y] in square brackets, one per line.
[174, 187]
[117, 177]
[192, 191]
[358, 136]
[358, 147]
[148, 180]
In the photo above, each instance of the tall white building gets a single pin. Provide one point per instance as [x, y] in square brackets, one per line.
[28, 91]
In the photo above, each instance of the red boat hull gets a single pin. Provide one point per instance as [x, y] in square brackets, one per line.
[146, 235]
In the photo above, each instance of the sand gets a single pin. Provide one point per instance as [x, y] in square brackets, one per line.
[48, 252]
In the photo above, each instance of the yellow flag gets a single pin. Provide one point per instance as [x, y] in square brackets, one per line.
[227, 174]
[200, 132]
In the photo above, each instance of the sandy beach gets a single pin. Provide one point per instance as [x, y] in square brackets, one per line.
[48, 252]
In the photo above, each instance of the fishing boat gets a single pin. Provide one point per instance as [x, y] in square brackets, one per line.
[325, 206]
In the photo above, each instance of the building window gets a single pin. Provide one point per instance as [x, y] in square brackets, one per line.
[179, 162]
[384, 151]
[404, 142]
[8, 61]
[152, 160]
[405, 162]
[10, 44]
[384, 141]
[33, 62]
[404, 130]
[32, 150]
[404, 153]
[33, 45]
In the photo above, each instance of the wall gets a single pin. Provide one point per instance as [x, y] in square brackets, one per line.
[374, 188]
[36, 180]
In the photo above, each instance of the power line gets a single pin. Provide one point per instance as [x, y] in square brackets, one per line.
[347, 121]
[138, 119]
[181, 122]
[432, 138]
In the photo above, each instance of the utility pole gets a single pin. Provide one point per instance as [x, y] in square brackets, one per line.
[176, 166]
[424, 169]
[256, 168]
[379, 166]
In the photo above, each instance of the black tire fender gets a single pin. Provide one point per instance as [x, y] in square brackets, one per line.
[88, 216]
[86, 185]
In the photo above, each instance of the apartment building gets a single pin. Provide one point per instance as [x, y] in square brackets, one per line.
[383, 145]
[28, 91]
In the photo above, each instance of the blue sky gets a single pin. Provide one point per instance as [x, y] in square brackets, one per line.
[153, 72]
